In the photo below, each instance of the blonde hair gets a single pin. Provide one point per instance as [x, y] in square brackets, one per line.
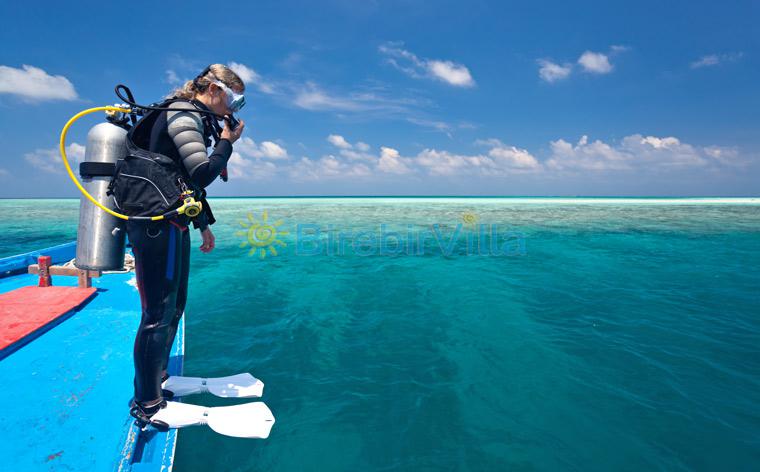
[200, 84]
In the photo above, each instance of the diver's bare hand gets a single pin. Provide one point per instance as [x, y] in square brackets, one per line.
[233, 136]
[208, 240]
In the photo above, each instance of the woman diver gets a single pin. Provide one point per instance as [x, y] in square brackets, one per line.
[162, 248]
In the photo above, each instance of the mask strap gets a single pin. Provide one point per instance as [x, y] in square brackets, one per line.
[200, 76]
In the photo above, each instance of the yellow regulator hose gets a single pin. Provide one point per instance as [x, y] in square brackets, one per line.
[190, 206]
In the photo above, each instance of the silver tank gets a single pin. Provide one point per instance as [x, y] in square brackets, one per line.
[100, 236]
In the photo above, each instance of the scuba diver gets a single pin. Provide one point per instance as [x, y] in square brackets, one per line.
[162, 248]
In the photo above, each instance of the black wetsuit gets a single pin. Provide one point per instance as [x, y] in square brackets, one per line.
[162, 265]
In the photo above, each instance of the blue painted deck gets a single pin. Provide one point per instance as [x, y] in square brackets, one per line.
[65, 395]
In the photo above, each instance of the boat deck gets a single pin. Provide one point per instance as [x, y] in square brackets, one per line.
[66, 392]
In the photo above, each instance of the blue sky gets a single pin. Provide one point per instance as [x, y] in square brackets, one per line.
[411, 98]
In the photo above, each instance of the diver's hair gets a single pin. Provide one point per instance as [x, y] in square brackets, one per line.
[200, 84]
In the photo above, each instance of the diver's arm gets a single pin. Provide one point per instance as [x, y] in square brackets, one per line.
[186, 129]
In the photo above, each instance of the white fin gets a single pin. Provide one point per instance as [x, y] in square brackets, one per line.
[235, 386]
[249, 420]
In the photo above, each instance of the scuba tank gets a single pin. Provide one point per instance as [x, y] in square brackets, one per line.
[120, 176]
[101, 236]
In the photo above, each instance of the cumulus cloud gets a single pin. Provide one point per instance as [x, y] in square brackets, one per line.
[513, 158]
[250, 169]
[447, 163]
[589, 61]
[33, 83]
[451, 73]
[49, 160]
[339, 141]
[501, 160]
[251, 77]
[253, 161]
[327, 167]
[635, 152]
[446, 71]
[391, 162]
[595, 62]
[552, 72]
[247, 147]
[596, 155]
[716, 59]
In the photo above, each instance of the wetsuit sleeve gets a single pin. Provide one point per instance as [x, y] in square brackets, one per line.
[201, 221]
[186, 129]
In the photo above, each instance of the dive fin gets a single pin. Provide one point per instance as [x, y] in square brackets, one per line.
[235, 386]
[249, 420]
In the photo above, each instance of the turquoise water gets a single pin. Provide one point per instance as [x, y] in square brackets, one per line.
[597, 335]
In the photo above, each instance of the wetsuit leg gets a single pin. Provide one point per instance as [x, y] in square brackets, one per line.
[157, 251]
[184, 271]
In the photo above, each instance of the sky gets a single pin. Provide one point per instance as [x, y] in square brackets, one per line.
[367, 97]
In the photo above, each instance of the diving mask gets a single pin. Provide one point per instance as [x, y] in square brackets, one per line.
[235, 101]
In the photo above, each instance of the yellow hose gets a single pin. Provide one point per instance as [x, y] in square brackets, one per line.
[71, 173]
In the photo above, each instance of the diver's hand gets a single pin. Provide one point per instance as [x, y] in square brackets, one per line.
[208, 240]
[233, 136]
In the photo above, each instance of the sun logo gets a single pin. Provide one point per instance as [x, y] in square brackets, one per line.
[469, 218]
[262, 235]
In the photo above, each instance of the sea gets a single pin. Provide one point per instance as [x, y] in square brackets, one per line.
[415, 334]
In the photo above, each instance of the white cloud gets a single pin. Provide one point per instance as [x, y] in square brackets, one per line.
[513, 158]
[251, 77]
[635, 152]
[327, 167]
[370, 103]
[502, 160]
[438, 162]
[352, 152]
[661, 152]
[339, 141]
[724, 155]
[595, 62]
[618, 48]
[33, 83]
[635, 155]
[716, 59]
[272, 150]
[240, 167]
[446, 71]
[454, 74]
[50, 160]
[437, 125]
[172, 78]
[311, 97]
[585, 156]
[552, 72]
[4, 172]
[391, 162]
[247, 147]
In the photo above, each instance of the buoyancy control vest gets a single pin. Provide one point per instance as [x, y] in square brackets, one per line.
[147, 183]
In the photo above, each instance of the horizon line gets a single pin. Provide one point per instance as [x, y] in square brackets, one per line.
[439, 196]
